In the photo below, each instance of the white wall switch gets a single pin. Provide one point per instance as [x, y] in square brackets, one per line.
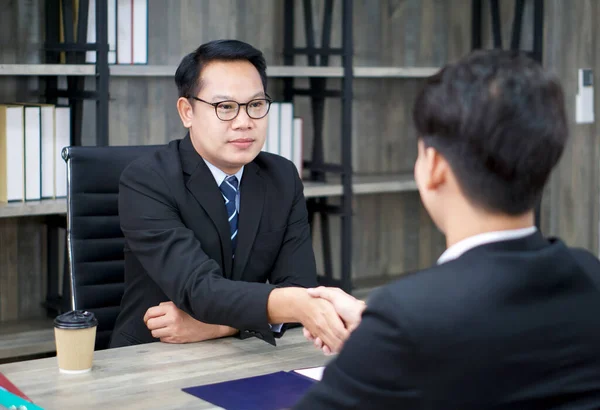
[584, 100]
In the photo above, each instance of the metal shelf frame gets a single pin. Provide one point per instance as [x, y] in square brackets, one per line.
[74, 47]
[317, 92]
[537, 50]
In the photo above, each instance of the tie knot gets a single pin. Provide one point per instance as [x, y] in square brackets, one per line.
[229, 187]
[233, 181]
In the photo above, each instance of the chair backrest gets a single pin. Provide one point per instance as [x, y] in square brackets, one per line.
[94, 238]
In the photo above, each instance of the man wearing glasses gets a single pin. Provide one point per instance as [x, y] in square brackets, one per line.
[210, 219]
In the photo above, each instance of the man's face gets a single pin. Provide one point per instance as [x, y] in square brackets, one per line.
[229, 145]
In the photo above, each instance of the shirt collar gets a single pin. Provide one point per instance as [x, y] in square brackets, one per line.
[220, 175]
[471, 242]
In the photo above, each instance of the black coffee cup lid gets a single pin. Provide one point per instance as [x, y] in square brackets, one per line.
[76, 319]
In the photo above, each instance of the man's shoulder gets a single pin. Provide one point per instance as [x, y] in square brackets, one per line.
[585, 257]
[280, 171]
[455, 288]
[155, 162]
[429, 278]
[589, 264]
[422, 300]
[272, 163]
[413, 291]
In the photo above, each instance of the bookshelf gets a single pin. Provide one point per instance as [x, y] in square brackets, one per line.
[47, 70]
[288, 71]
[318, 77]
[362, 185]
[317, 189]
[169, 71]
[33, 208]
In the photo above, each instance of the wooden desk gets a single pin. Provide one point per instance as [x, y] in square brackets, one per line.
[151, 376]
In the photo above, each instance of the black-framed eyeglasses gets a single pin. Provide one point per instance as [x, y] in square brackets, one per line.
[227, 110]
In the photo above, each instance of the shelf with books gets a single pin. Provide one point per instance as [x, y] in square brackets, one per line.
[383, 183]
[394, 72]
[361, 185]
[47, 69]
[143, 70]
[272, 71]
[32, 136]
[285, 71]
[33, 208]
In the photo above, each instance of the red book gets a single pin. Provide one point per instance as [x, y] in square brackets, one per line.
[7, 385]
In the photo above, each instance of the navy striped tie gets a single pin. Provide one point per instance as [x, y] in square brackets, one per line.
[229, 189]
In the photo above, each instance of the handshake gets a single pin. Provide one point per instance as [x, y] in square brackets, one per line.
[328, 315]
[330, 318]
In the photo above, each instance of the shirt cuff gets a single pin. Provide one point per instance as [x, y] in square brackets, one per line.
[276, 328]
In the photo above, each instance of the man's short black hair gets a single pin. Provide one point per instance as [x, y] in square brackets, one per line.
[499, 120]
[187, 76]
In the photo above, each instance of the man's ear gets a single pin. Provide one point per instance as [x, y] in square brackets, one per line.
[436, 167]
[186, 111]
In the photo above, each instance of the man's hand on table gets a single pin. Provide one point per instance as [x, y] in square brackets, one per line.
[173, 325]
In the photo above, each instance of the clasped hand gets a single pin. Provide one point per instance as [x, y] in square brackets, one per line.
[173, 325]
[347, 309]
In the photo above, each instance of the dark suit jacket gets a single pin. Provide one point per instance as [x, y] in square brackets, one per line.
[178, 243]
[508, 325]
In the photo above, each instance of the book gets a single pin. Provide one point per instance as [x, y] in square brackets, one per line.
[272, 140]
[46, 148]
[90, 56]
[62, 139]
[33, 153]
[266, 392]
[7, 385]
[132, 31]
[286, 130]
[12, 153]
[12, 401]
[297, 144]
[315, 373]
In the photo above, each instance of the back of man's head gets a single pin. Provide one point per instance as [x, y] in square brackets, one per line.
[499, 121]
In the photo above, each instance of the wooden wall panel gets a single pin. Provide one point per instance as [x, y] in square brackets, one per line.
[22, 268]
[32, 281]
[387, 33]
[571, 206]
[9, 280]
[22, 256]
[593, 185]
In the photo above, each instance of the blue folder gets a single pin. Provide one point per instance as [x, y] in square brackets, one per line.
[272, 391]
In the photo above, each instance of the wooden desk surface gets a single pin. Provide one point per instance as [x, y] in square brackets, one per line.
[151, 376]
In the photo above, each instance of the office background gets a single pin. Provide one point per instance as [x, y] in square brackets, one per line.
[392, 233]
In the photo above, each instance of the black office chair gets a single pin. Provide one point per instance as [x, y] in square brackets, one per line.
[94, 238]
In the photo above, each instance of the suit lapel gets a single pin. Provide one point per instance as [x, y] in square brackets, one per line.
[252, 197]
[203, 187]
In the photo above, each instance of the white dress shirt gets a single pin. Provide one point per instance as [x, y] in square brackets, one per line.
[219, 178]
[471, 242]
